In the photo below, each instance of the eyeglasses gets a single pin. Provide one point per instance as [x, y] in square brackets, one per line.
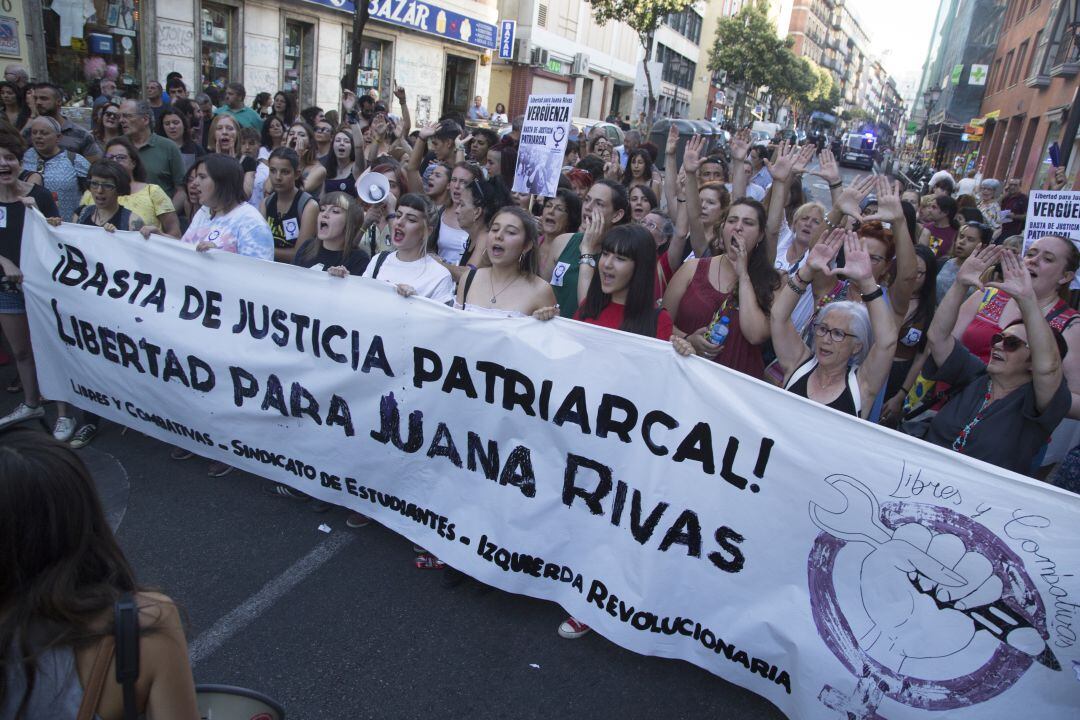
[1010, 343]
[835, 334]
[99, 185]
[117, 157]
[110, 115]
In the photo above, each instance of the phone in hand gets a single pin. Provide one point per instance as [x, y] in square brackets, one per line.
[1055, 155]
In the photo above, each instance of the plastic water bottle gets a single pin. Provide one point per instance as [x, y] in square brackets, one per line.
[719, 331]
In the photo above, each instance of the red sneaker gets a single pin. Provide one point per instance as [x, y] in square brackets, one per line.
[572, 629]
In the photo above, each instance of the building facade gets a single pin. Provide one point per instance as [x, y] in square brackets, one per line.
[559, 48]
[1030, 89]
[440, 51]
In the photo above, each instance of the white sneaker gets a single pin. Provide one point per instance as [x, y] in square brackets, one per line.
[64, 428]
[21, 414]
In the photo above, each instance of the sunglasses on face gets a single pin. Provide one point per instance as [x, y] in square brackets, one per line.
[111, 115]
[115, 157]
[1009, 343]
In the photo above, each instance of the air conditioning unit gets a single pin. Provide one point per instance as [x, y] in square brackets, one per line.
[581, 65]
[521, 51]
[539, 57]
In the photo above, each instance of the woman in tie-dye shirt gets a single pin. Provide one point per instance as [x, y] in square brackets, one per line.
[226, 221]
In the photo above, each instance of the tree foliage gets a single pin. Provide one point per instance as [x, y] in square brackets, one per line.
[748, 49]
[643, 17]
[795, 82]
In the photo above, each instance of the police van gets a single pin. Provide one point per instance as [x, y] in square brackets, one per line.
[858, 150]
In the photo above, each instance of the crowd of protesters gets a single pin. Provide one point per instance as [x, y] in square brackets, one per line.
[924, 314]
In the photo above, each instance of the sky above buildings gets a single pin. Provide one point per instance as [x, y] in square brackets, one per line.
[899, 36]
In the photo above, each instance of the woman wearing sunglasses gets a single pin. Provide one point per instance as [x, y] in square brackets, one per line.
[1006, 408]
[107, 125]
[853, 342]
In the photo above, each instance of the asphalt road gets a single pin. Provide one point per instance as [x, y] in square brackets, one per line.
[342, 625]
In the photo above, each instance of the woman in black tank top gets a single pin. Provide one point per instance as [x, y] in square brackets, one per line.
[290, 212]
[854, 342]
[344, 165]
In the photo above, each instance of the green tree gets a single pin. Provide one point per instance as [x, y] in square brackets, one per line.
[643, 17]
[748, 50]
[795, 84]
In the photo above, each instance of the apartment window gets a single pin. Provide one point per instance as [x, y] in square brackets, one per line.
[1019, 63]
[1020, 9]
[687, 23]
[995, 73]
[1005, 70]
[678, 70]
[1034, 52]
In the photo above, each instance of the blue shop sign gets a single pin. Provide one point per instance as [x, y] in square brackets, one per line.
[426, 18]
[506, 39]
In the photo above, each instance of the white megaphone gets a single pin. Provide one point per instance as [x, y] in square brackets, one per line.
[372, 188]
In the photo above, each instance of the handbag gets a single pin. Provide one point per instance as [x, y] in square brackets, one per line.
[124, 644]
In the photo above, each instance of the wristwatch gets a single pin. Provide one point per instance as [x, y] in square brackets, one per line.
[587, 259]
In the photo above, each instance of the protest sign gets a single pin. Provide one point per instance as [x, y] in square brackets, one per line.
[543, 144]
[1053, 212]
[679, 508]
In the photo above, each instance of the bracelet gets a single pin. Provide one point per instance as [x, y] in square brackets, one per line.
[829, 224]
[795, 288]
[874, 295]
[833, 186]
[587, 259]
[905, 390]
[681, 199]
[799, 277]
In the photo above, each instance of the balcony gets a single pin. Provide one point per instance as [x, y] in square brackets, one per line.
[1065, 69]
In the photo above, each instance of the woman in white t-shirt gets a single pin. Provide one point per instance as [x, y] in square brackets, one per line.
[409, 266]
[226, 221]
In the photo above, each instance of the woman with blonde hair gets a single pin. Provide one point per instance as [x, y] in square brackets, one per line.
[335, 248]
[223, 138]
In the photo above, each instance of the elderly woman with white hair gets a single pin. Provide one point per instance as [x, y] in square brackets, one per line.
[64, 172]
[854, 343]
[990, 203]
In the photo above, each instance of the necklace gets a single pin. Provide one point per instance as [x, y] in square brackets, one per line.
[495, 295]
[818, 376]
[962, 437]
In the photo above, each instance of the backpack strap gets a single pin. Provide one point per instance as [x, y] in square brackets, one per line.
[126, 629]
[379, 260]
[468, 284]
[96, 683]
[86, 215]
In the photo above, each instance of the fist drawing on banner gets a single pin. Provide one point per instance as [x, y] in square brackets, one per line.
[914, 587]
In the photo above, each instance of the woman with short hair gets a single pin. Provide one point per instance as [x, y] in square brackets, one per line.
[146, 200]
[409, 266]
[63, 171]
[290, 212]
[990, 203]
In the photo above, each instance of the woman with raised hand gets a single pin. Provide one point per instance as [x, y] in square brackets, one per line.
[301, 139]
[344, 165]
[853, 343]
[334, 247]
[1051, 262]
[705, 205]
[289, 211]
[786, 171]
[911, 338]
[509, 285]
[223, 138]
[738, 286]
[55, 535]
[146, 200]
[1002, 411]
[409, 266]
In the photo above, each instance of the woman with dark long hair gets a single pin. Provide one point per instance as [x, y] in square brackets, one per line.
[560, 214]
[284, 108]
[107, 122]
[343, 165]
[639, 171]
[706, 290]
[14, 105]
[226, 221]
[301, 138]
[175, 125]
[61, 574]
[271, 137]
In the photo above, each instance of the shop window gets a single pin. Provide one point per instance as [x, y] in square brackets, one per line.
[458, 86]
[376, 62]
[298, 61]
[80, 49]
[217, 43]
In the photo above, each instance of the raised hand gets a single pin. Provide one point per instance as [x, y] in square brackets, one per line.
[888, 197]
[592, 228]
[739, 257]
[428, 129]
[739, 145]
[1016, 281]
[802, 160]
[852, 195]
[612, 171]
[378, 126]
[399, 92]
[822, 254]
[692, 154]
[970, 273]
[857, 265]
[782, 166]
[827, 170]
[672, 140]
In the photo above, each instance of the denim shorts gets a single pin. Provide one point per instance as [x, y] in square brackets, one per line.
[12, 303]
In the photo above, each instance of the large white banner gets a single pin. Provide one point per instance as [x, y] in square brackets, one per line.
[833, 566]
